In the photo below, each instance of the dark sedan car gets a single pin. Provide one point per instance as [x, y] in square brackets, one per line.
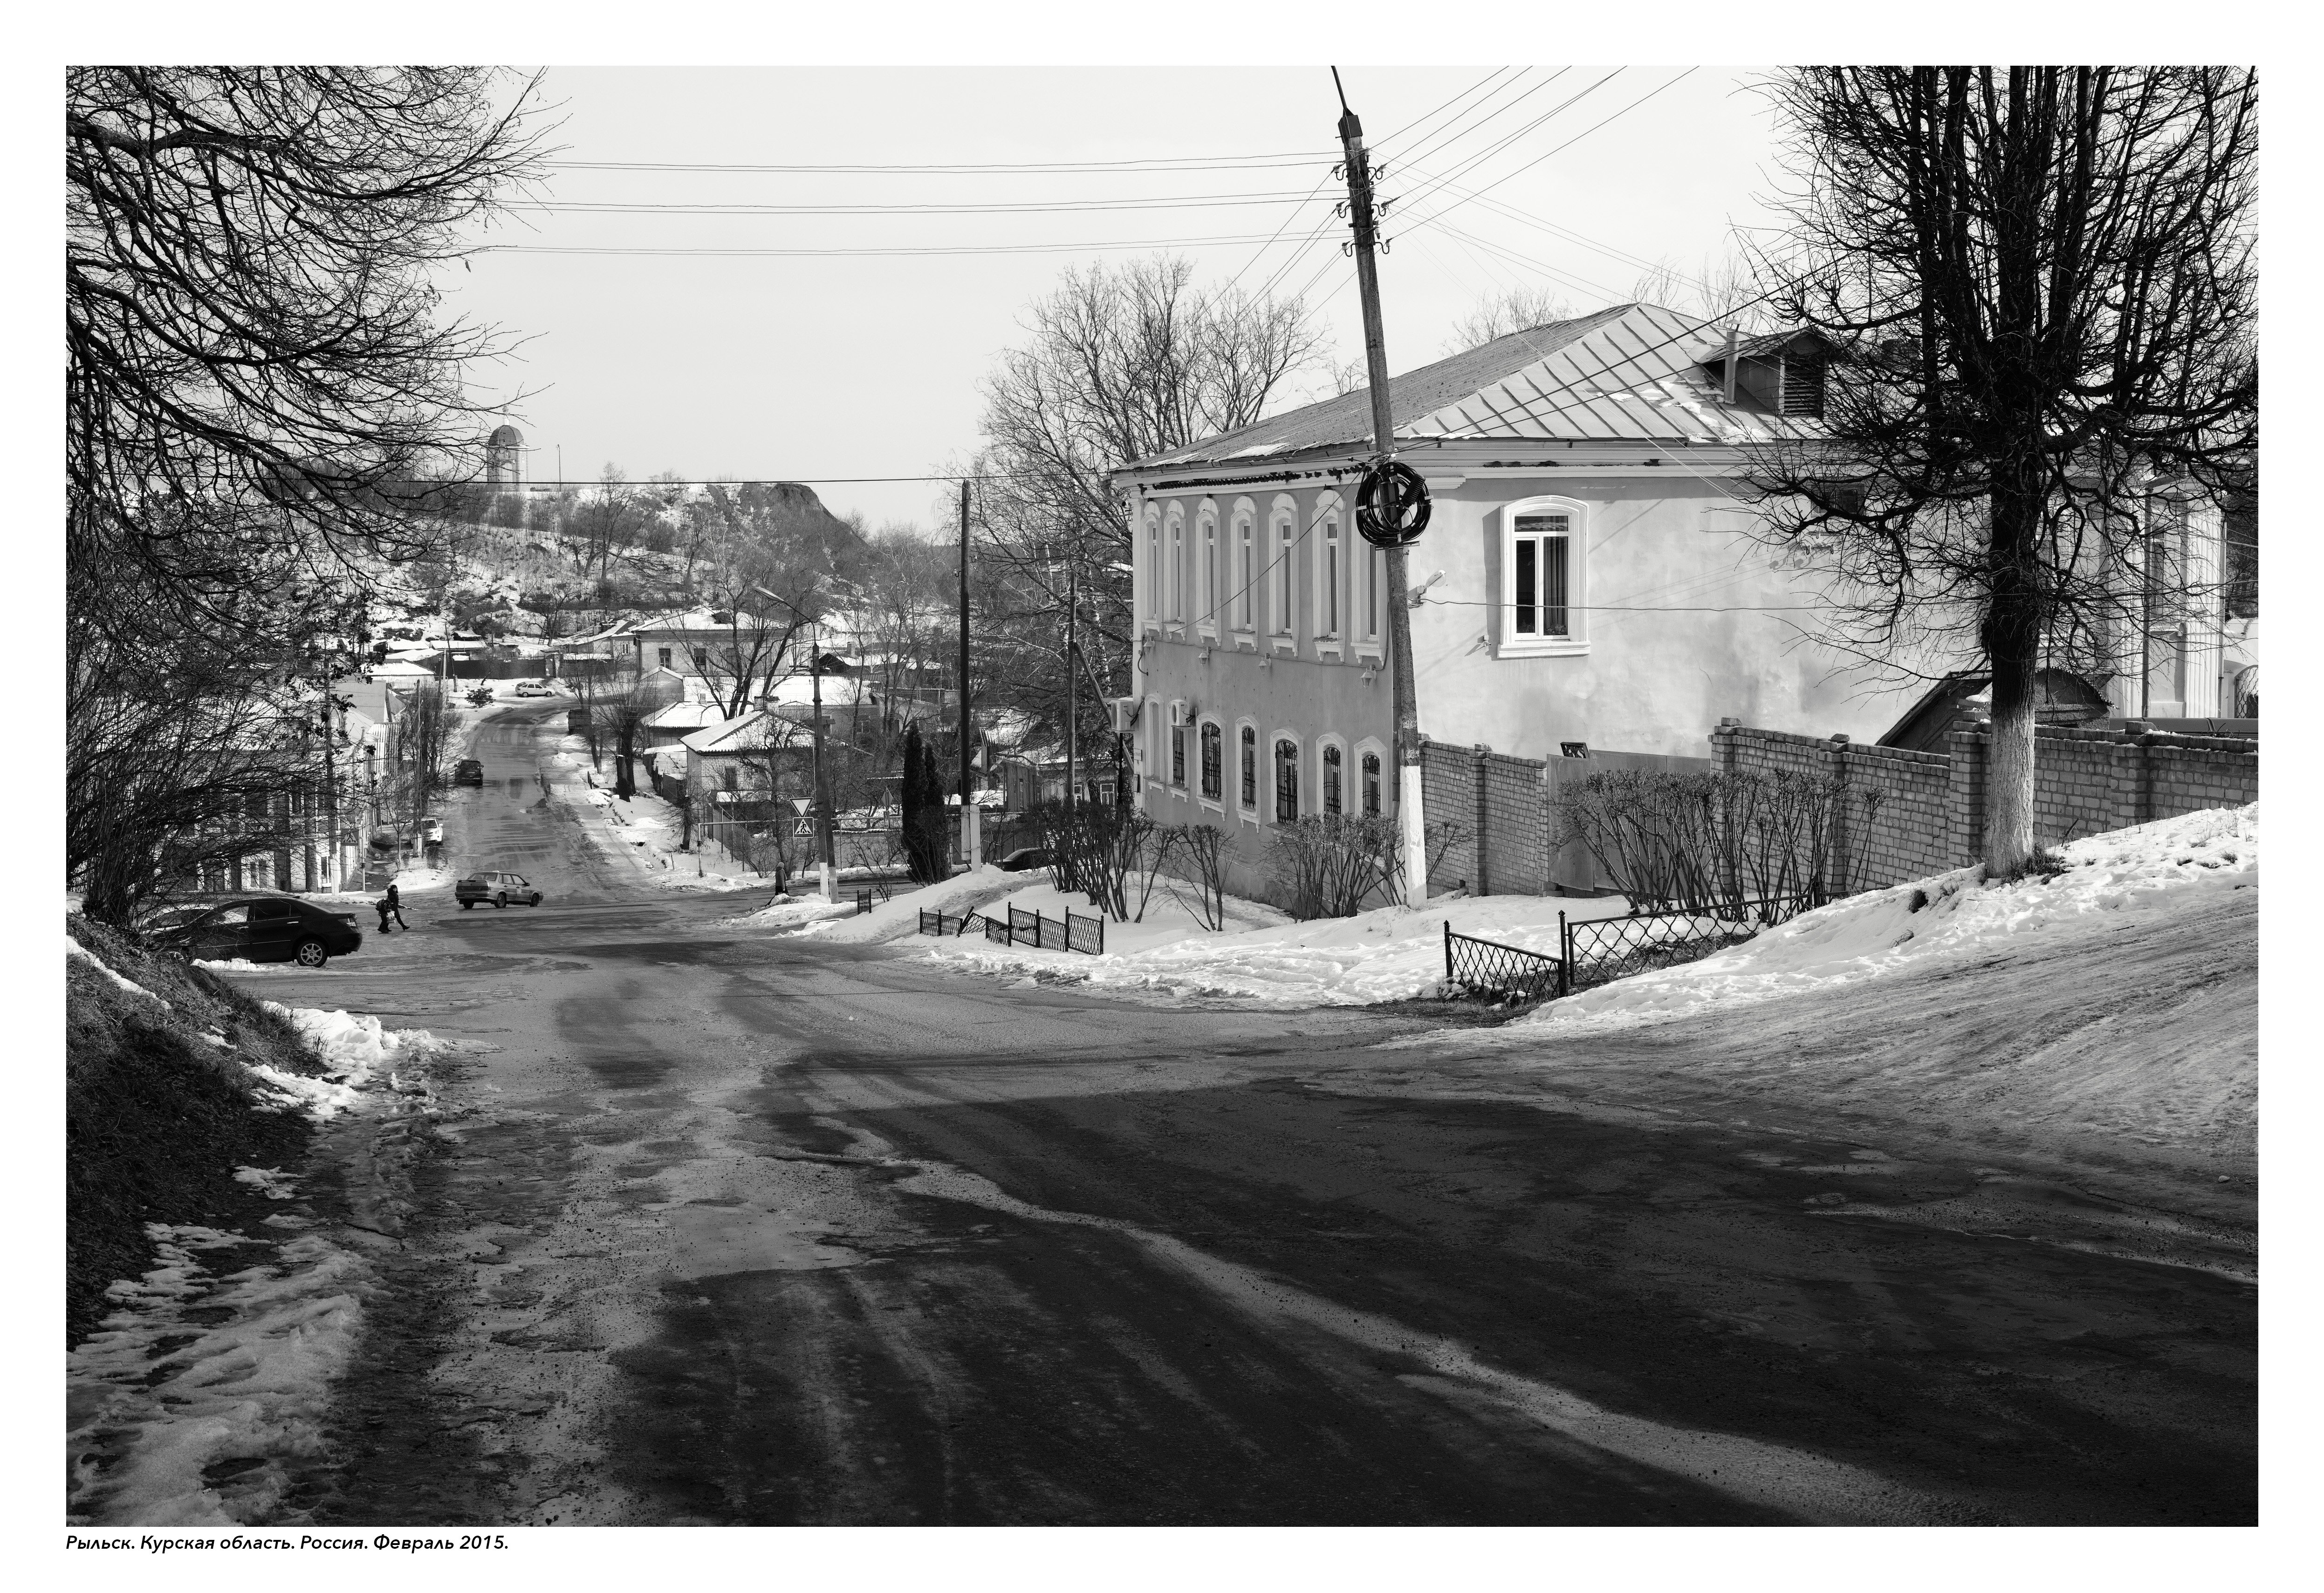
[500, 889]
[1024, 858]
[260, 929]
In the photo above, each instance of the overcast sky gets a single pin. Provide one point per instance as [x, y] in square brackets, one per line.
[809, 368]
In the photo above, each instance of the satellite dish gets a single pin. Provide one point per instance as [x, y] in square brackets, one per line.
[1391, 505]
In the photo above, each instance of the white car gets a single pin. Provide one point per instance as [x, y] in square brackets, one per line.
[532, 688]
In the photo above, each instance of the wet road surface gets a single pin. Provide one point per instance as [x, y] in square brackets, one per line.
[728, 1227]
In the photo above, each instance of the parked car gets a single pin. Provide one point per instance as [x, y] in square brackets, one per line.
[1024, 858]
[468, 771]
[532, 688]
[259, 929]
[500, 889]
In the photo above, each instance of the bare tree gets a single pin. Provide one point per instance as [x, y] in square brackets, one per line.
[1118, 364]
[1497, 315]
[2040, 287]
[257, 391]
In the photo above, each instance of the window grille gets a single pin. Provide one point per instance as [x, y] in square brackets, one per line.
[1178, 757]
[1331, 779]
[1371, 783]
[1214, 776]
[1287, 781]
[1250, 767]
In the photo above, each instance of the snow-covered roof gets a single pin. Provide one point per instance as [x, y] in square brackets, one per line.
[749, 732]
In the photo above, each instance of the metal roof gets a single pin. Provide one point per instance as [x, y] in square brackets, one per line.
[1631, 373]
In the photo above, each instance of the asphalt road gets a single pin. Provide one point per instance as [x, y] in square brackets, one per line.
[727, 1228]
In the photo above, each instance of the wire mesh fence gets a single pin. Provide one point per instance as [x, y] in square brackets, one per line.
[1021, 927]
[1508, 974]
[1085, 934]
[1598, 950]
[1024, 928]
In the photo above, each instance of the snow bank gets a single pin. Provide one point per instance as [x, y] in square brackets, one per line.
[355, 1049]
[73, 948]
[199, 1369]
[1263, 956]
[2165, 865]
[899, 917]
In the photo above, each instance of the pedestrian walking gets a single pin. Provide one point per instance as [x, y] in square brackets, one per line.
[393, 904]
[384, 910]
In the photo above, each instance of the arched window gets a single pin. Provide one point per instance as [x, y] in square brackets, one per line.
[1178, 756]
[1287, 781]
[1245, 574]
[1154, 562]
[1330, 575]
[1280, 597]
[1250, 767]
[1371, 783]
[1331, 778]
[1206, 569]
[1213, 759]
[1174, 583]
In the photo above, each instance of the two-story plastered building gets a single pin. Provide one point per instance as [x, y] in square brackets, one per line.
[1588, 575]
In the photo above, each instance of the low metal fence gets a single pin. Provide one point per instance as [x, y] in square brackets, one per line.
[862, 903]
[1598, 950]
[1020, 927]
[1509, 973]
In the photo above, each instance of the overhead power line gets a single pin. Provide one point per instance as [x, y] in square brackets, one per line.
[1063, 248]
[971, 168]
[1005, 206]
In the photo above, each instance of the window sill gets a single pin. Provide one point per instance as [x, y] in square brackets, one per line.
[1248, 816]
[1541, 649]
[1210, 806]
[1245, 639]
[1374, 651]
[1330, 649]
[1207, 632]
[1174, 632]
[1286, 644]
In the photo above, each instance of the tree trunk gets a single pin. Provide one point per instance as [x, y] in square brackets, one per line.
[2012, 635]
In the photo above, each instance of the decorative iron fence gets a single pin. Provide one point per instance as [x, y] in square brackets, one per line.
[1085, 934]
[862, 903]
[1489, 968]
[996, 930]
[1598, 950]
[1024, 928]
[946, 924]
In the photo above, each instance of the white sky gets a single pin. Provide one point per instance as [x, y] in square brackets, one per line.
[800, 368]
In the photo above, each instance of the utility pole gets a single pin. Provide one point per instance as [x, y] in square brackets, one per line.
[1410, 818]
[330, 793]
[972, 840]
[1073, 681]
[822, 789]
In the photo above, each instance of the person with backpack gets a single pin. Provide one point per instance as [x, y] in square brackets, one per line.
[392, 904]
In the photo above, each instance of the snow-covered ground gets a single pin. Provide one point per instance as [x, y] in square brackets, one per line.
[189, 1403]
[2162, 867]
[1263, 955]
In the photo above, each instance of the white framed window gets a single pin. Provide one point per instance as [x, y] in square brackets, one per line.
[1331, 562]
[1242, 569]
[1206, 567]
[1367, 570]
[1211, 752]
[1541, 610]
[1174, 563]
[1247, 767]
[1282, 589]
[1154, 561]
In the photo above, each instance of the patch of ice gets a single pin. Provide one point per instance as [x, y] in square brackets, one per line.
[197, 1369]
[269, 1182]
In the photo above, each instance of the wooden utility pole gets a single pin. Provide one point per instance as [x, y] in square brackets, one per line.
[970, 840]
[822, 786]
[1410, 818]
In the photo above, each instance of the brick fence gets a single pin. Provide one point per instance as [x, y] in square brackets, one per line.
[2087, 779]
[1930, 816]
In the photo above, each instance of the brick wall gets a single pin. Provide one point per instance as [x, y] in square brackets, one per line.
[1930, 816]
[1908, 835]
